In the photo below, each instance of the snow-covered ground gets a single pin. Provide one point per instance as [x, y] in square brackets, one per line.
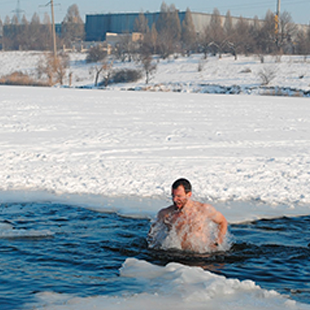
[120, 150]
[226, 75]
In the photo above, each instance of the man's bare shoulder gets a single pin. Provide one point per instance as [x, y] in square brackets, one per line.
[163, 212]
[204, 207]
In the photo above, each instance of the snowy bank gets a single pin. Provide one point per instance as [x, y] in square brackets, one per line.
[288, 74]
[94, 144]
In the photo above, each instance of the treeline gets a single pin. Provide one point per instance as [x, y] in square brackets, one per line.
[168, 35]
[222, 35]
[37, 35]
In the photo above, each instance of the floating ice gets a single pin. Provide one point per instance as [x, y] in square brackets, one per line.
[175, 287]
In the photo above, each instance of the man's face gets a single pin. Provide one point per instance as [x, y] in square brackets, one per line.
[179, 197]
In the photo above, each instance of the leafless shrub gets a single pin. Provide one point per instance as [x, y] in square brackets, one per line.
[246, 70]
[126, 76]
[148, 67]
[95, 54]
[266, 75]
[107, 73]
[19, 78]
[53, 68]
[104, 69]
[282, 92]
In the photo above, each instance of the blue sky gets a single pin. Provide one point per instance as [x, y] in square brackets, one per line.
[299, 9]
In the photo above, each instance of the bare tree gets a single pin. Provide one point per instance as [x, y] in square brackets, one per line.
[162, 21]
[302, 43]
[153, 39]
[287, 31]
[146, 58]
[242, 37]
[188, 32]
[6, 39]
[95, 54]
[126, 48]
[174, 23]
[141, 24]
[267, 38]
[24, 33]
[102, 66]
[228, 27]
[254, 33]
[54, 69]
[72, 26]
[267, 74]
[47, 37]
[169, 30]
[16, 32]
[230, 35]
[215, 33]
[148, 67]
[34, 29]
[60, 66]
[105, 69]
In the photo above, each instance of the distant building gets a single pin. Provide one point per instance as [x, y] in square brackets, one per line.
[113, 38]
[98, 25]
[58, 29]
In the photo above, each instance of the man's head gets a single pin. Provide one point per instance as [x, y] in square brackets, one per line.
[182, 182]
[181, 192]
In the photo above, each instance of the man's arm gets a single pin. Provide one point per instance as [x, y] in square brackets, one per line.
[161, 217]
[218, 218]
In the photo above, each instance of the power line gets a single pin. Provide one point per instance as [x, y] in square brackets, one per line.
[5, 2]
[294, 2]
[255, 5]
[241, 5]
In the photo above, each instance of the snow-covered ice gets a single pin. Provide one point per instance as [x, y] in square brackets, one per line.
[176, 286]
[115, 144]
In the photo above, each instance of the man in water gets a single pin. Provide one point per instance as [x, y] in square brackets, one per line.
[190, 220]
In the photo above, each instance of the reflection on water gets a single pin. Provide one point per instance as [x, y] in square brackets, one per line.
[66, 249]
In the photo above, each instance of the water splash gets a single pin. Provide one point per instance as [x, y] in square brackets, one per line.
[186, 233]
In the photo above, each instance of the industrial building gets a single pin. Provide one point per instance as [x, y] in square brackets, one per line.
[98, 25]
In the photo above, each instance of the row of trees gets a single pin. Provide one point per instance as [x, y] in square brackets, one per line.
[168, 35]
[37, 35]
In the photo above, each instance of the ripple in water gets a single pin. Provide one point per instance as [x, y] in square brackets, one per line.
[66, 249]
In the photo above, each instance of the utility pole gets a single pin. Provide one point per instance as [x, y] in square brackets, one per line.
[277, 25]
[54, 32]
[278, 7]
[277, 17]
[51, 3]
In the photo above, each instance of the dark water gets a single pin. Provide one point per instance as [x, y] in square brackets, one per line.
[80, 252]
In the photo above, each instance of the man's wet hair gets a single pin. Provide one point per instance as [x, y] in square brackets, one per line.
[185, 183]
